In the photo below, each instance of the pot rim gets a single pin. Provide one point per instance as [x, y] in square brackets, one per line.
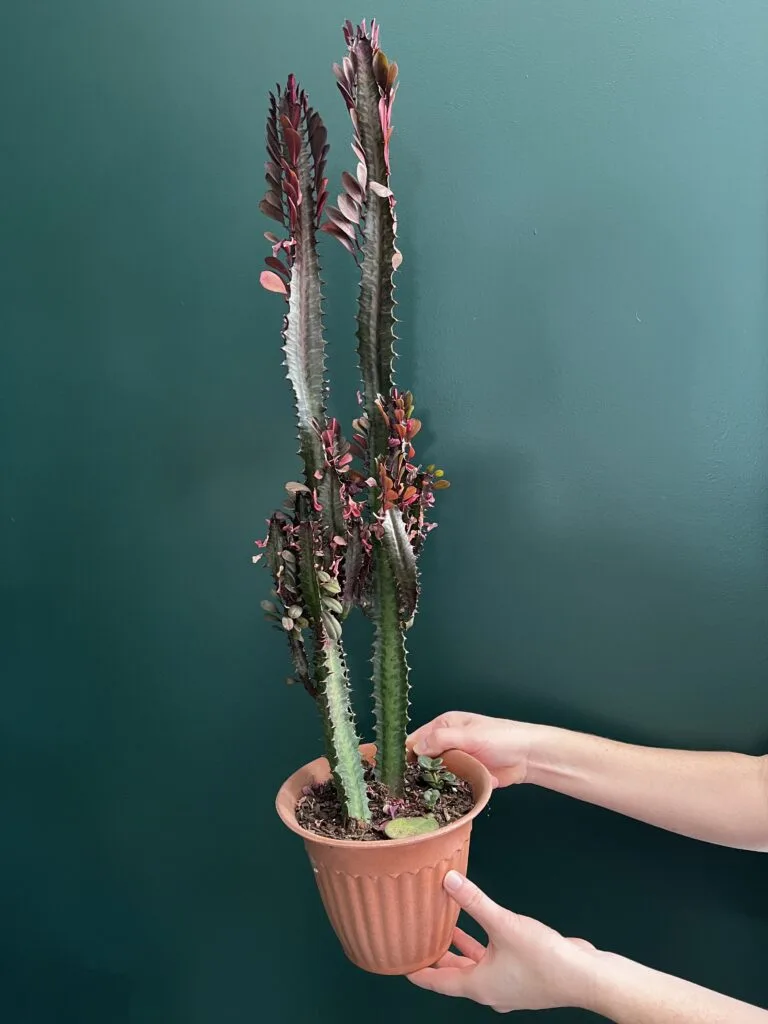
[286, 807]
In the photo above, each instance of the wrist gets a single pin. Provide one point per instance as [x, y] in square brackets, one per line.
[616, 984]
[547, 754]
[582, 975]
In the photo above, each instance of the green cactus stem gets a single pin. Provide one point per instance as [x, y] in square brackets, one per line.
[342, 741]
[390, 675]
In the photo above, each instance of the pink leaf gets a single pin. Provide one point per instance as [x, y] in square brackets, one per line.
[397, 259]
[349, 208]
[362, 175]
[383, 115]
[380, 190]
[341, 222]
[272, 282]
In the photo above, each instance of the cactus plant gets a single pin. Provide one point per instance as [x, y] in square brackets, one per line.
[350, 534]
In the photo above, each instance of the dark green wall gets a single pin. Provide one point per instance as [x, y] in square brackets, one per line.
[583, 204]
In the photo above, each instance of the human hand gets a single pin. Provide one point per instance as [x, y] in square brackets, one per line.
[501, 745]
[526, 965]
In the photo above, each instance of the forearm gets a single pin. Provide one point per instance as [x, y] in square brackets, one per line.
[716, 797]
[627, 993]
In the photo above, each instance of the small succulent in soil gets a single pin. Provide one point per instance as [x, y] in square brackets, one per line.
[352, 529]
[436, 777]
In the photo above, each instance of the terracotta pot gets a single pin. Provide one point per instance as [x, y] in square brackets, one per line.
[385, 899]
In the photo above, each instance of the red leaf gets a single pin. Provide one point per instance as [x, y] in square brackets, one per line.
[279, 266]
[272, 282]
[333, 229]
[271, 211]
[292, 140]
[347, 96]
[293, 215]
[353, 187]
[318, 138]
[380, 69]
[272, 175]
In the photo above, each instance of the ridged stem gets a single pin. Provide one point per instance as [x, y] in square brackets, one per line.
[390, 676]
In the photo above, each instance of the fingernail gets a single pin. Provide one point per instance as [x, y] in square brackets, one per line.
[419, 747]
[452, 881]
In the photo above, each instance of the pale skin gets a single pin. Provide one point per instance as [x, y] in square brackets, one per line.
[719, 798]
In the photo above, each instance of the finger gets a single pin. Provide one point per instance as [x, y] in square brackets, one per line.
[468, 946]
[474, 901]
[451, 721]
[449, 981]
[453, 960]
[436, 740]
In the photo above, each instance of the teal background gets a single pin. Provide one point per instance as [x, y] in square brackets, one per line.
[582, 198]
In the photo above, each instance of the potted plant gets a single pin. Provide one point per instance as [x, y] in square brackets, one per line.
[381, 830]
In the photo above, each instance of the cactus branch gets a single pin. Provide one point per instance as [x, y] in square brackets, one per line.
[402, 561]
[296, 192]
[342, 742]
[364, 218]
[390, 675]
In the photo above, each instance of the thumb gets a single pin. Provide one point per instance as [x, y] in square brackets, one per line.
[433, 742]
[488, 914]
